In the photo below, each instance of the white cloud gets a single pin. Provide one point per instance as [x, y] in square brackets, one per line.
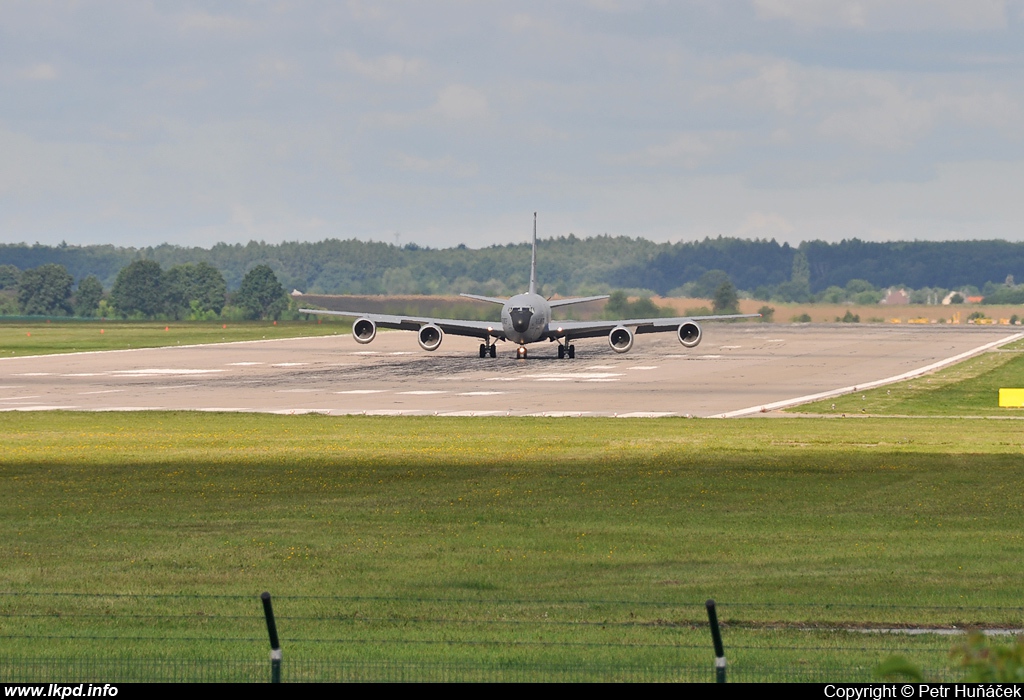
[905, 15]
[689, 150]
[444, 165]
[41, 71]
[460, 102]
[388, 68]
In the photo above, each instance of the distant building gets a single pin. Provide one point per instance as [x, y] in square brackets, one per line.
[296, 293]
[896, 297]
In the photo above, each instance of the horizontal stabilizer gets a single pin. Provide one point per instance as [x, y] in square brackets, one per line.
[577, 300]
[493, 300]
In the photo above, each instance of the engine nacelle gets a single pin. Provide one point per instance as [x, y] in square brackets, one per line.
[689, 334]
[621, 339]
[430, 337]
[364, 330]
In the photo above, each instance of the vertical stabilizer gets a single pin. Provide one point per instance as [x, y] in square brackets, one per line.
[533, 258]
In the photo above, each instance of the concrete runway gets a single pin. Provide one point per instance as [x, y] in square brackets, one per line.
[737, 368]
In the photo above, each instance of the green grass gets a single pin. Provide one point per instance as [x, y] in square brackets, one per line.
[509, 540]
[21, 338]
[970, 388]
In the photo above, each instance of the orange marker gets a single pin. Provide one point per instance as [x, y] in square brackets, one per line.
[167, 328]
[101, 330]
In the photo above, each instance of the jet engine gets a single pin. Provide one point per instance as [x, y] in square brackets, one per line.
[364, 330]
[621, 339]
[430, 336]
[689, 334]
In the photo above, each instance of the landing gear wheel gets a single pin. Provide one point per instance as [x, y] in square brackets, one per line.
[521, 352]
[561, 352]
[572, 352]
[483, 350]
[493, 351]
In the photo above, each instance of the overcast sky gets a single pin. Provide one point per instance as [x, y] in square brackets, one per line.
[440, 123]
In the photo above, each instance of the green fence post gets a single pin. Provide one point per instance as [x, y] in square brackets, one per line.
[275, 644]
[716, 637]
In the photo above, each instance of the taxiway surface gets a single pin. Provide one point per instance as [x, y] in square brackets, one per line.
[737, 367]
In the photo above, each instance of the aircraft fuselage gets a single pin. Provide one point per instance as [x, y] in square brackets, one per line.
[525, 318]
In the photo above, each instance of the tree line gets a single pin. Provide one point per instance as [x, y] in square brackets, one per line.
[143, 289]
[850, 271]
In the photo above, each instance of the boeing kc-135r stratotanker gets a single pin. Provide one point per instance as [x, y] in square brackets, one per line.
[526, 318]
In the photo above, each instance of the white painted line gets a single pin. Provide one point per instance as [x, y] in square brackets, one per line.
[601, 367]
[645, 414]
[421, 393]
[167, 387]
[12, 386]
[289, 364]
[643, 367]
[19, 398]
[600, 380]
[869, 385]
[301, 411]
[502, 379]
[104, 391]
[159, 372]
[361, 391]
[243, 364]
[85, 374]
[729, 347]
[365, 352]
[403, 352]
[471, 414]
[574, 375]
[34, 374]
[39, 408]
[560, 414]
[554, 379]
[483, 393]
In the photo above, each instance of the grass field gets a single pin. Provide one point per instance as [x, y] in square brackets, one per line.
[505, 540]
[967, 389]
[20, 338]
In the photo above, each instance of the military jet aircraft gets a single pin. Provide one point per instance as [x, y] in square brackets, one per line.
[526, 318]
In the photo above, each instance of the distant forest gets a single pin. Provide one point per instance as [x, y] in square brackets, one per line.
[566, 265]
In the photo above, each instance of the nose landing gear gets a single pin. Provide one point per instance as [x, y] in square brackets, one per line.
[521, 352]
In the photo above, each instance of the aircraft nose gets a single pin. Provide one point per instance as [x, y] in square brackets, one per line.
[521, 319]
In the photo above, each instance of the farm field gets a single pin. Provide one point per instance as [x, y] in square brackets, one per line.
[21, 338]
[588, 542]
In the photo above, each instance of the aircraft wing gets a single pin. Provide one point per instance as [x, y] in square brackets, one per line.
[473, 329]
[593, 329]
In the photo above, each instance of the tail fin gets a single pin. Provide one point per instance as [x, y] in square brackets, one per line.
[533, 259]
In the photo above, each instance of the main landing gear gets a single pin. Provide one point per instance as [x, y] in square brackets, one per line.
[486, 350]
[564, 350]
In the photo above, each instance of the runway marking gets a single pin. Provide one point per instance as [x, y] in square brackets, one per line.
[559, 377]
[107, 409]
[361, 391]
[160, 372]
[601, 367]
[302, 411]
[483, 393]
[366, 352]
[11, 386]
[600, 380]
[84, 374]
[646, 414]
[38, 408]
[289, 364]
[243, 364]
[729, 347]
[34, 374]
[403, 352]
[104, 391]
[173, 386]
[502, 379]
[20, 398]
[643, 367]
[424, 392]
[554, 379]
[471, 414]
[786, 403]
[560, 414]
